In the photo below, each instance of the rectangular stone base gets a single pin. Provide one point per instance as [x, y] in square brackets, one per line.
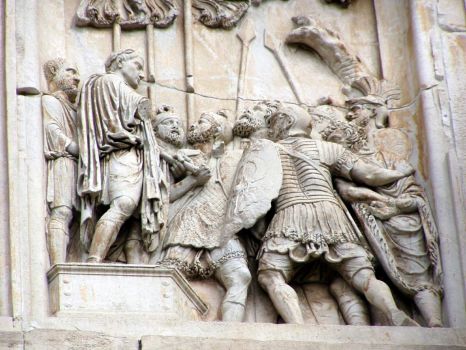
[85, 289]
[219, 336]
[303, 337]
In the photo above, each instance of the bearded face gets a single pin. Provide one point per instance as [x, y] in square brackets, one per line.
[171, 131]
[246, 125]
[201, 132]
[67, 80]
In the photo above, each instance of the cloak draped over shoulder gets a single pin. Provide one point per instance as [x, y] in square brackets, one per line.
[107, 123]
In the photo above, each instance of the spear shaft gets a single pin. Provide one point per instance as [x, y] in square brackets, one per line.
[274, 45]
[246, 34]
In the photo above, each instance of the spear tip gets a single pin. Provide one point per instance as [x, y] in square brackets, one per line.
[270, 41]
[247, 31]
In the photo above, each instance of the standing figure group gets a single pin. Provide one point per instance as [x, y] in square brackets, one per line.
[148, 192]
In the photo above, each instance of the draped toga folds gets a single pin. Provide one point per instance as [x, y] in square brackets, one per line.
[110, 166]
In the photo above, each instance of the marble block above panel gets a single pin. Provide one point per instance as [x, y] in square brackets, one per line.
[82, 289]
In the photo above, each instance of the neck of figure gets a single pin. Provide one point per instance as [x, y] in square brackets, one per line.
[206, 147]
[259, 134]
[298, 133]
[62, 96]
[167, 146]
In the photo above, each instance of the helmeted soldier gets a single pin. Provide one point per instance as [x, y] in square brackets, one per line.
[310, 221]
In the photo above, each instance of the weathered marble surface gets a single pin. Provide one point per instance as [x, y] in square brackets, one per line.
[420, 45]
[109, 290]
[249, 337]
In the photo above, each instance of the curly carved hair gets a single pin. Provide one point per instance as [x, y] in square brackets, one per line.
[115, 58]
[355, 136]
[270, 108]
[51, 67]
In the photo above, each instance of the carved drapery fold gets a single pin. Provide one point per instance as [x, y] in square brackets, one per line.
[132, 14]
[129, 13]
[220, 13]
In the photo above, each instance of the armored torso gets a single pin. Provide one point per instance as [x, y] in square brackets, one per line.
[306, 173]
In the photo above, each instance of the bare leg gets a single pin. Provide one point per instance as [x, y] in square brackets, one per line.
[379, 295]
[284, 298]
[352, 307]
[108, 226]
[58, 234]
[235, 276]
[430, 306]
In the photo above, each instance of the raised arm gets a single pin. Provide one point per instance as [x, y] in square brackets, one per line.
[350, 192]
[374, 175]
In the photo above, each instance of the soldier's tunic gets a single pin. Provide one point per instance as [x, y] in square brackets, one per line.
[195, 243]
[309, 221]
[59, 132]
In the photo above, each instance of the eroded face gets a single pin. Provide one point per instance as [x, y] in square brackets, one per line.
[338, 136]
[171, 130]
[360, 114]
[201, 131]
[279, 126]
[249, 122]
[132, 71]
[67, 80]
[348, 135]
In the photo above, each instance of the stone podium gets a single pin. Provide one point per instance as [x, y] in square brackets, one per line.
[106, 289]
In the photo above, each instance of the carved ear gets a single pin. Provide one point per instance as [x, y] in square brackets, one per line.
[289, 121]
[381, 117]
[218, 132]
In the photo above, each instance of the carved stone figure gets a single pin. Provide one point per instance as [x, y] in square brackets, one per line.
[398, 223]
[119, 164]
[195, 242]
[310, 222]
[61, 152]
[175, 164]
[252, 123]
[181, 174]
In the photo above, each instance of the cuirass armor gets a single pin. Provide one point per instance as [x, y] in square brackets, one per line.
[302, 181]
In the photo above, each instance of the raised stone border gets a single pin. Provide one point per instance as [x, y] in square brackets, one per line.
[244, 336]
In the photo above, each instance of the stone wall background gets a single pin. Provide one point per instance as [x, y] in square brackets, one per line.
[420, 45]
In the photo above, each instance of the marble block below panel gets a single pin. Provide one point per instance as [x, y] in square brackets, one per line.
[161, 293]
[227, 336]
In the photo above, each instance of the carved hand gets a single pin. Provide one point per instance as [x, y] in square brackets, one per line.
[203, 176]
[73, 149]
[383, 211]
[406, 204]
[178, 169]
[405, 168]
[136, 140]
